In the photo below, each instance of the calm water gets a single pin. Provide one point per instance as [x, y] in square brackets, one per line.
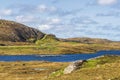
[57, 58]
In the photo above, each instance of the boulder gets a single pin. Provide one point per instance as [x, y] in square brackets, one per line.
[73, 66]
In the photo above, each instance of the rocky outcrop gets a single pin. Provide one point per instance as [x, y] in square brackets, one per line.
[16, 32]
[73, 66]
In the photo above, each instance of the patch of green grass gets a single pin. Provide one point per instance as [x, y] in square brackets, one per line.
[56, 73]
[91, 63]
[107, 59]
[100, 61]
[116, 78]
[47, 39]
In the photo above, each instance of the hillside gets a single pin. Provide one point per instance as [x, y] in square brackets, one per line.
[86, 40]
[16, 32]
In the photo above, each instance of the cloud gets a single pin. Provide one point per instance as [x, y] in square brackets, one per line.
[110, 28]
[82, 20]
[63, 13]
[25, 9]
[55, 21]
[50, 21]
[25, 19]
[55, 1]
[109, 14]
[49, 24]
[33, 9]
[44, 8]
[5, 12]
[44, 27]
[107, 2]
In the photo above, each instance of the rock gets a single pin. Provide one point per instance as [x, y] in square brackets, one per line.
[2, 45]
[73, 66]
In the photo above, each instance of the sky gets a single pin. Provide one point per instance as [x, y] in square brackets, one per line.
[67, 18]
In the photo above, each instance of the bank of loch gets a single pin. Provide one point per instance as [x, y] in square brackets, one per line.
[57, 58]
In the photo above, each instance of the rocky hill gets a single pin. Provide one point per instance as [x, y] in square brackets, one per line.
[16, 32]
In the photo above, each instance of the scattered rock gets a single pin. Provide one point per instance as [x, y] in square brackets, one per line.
[73, 66]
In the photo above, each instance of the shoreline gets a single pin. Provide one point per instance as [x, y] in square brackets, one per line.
[62, 57]
[54, 53]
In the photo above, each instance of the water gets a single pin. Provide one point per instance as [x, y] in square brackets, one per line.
[56, 58]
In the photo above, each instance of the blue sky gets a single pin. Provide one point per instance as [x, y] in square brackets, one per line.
[67, 18]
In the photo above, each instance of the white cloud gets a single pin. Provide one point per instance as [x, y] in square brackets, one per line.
[44, 27]
[44, 8]
[53, 8]
[107, 2]
[49, 23]
[25, 19]
[6, 12]
[55, 20]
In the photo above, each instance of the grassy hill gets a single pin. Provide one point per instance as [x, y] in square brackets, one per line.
[87, 40]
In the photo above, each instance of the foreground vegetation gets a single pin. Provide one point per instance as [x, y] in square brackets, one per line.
[103, 68]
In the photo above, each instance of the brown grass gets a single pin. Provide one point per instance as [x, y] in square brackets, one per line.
[27, 70]
[107, 68]
[55, 48]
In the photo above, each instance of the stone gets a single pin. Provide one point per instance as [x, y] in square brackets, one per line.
[73, 66]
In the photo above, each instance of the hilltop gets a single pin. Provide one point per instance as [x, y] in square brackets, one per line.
[16, 32]
[87, 40]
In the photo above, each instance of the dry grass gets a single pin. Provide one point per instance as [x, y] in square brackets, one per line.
[55, 47]
[105, 68]
[28, 70]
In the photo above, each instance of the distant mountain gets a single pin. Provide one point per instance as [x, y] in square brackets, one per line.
[16, 32]
[86, 40]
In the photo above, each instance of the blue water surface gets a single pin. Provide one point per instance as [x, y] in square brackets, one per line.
[57, 58]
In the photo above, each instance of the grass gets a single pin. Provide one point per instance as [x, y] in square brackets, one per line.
[54, 47]
[56, 73]
[49, 44]
[28, 70]
[103, 68]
